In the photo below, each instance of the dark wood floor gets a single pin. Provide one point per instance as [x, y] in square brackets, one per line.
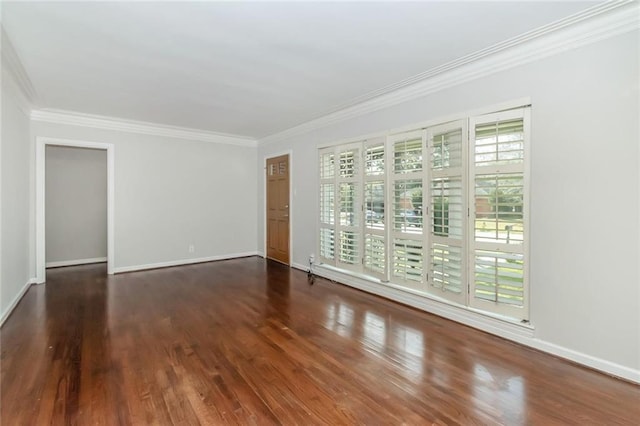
[247, 341]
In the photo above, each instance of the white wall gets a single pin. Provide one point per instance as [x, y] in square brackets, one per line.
[585, 296]
[15, 186]
[172, 193]
[76, 204]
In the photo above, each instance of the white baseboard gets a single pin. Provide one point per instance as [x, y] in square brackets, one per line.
[520, 333]
[75, 262]
[16, 300]
[300, 266]
[181, 262]
[587, 360]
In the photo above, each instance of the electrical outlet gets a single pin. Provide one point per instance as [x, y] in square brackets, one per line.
[192, 248]
[312, 258]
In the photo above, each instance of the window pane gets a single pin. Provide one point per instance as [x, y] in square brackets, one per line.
[349, 163]
[349, 247]
[374, 253]
[447, 150]
[407, 259]
[499, 277]
[499, 143]
[348, 215]
[499, 206]
[446, 207]
[374, 160]
[327, 246]
[374, 204]
[327, 166]
[446, 267]
[327, 203]
[407, 206]
[407, 156]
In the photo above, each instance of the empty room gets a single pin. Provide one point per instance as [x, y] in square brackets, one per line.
[307, 213]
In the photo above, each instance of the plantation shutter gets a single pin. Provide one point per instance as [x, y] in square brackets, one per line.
[327, 238]
[374, 204]
[349, 198]
[440, 211]
[497, 226]
[406, 199]
[447, 208]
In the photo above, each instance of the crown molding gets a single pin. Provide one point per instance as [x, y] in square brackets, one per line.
[16, 82]
[600, 22]
[140, 127]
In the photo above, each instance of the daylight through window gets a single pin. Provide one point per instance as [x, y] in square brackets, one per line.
[440, 211]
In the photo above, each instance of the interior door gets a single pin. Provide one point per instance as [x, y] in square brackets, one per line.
[278, 208]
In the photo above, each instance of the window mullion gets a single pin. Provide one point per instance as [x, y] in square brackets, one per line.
[446, 193]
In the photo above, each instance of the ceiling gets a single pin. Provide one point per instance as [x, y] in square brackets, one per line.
[247, 68]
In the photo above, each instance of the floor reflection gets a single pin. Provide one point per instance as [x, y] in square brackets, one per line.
[410, 344]
[380, 336]
[340, 319]
[374, 329]
[495, 391]
[278, 291]
[423, 362]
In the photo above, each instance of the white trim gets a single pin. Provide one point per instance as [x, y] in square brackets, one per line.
[142, 127]
[111, 209]
[453, 173]
[523, 334]
[300, 266]
[522, 102]
[11, 88]
[15, 301]
[182, 262]
[288, 152]
[357, 181]
[41, 143]
[494, 324]
[473, 171]
[600, 22]
[587, 360]
[75, 262]
[12, 63]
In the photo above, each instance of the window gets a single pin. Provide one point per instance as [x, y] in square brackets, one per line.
[447, 202]
[441, 211]
[407, 231]
[327, 206]
[374, 262]
[497, 240]
[348, 227]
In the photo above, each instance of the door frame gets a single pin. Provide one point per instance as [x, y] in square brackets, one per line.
[41, 144]
[288, 152]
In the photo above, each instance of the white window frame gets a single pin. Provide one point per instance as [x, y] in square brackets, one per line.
[521, 313]
[383, 276]
[461, 173]
[356, 181]
[324, 225]
[390, 213]
[468, 246]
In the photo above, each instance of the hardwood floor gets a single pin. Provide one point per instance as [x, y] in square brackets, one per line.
[247, 341]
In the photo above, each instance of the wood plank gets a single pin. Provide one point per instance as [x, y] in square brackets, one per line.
[249, 341]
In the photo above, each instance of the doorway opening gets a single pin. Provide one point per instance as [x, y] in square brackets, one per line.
[75, 206]
[67, 251]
